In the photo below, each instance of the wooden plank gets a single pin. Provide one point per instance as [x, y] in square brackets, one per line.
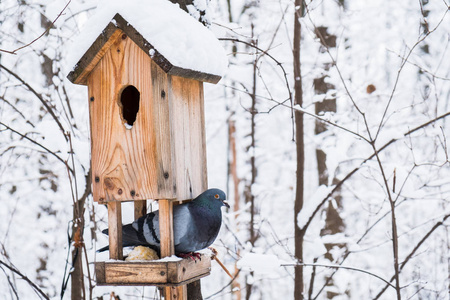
[115, 230]
[140, 208]
[118, 273]
[147, 273]
[100, 272]
[185, 269]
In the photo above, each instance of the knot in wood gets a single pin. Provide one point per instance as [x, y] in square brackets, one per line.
[119, 191]
[133, 193]
[109, 184]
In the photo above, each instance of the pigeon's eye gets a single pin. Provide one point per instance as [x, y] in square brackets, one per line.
[216, 196]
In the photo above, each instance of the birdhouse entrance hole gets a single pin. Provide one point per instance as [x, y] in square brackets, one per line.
[129, 99]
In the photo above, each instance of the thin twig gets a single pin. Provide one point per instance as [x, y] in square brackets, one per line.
[351, 173]
[43, 101]
[47, 30]
[11, 284]
[393, 223]
[278, 64]
[32, 284]
[342, 267]
[17, 110]
[223, 288]
[402, 65]
[341, 77]
[36, 143]
[414, 250]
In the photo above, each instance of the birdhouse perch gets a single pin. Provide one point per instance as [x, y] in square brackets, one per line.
[144, 65]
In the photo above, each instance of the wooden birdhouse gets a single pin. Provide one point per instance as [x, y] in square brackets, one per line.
[144, 64]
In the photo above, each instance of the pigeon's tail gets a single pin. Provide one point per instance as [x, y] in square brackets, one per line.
[130, 237]
[105, 231]
[103, 249]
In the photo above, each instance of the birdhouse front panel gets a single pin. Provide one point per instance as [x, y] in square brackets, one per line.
[147, 128]
[128, 130]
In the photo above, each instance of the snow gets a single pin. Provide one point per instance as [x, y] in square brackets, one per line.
[182, 40]
[259, 263]
[170, 258]
[311, 204]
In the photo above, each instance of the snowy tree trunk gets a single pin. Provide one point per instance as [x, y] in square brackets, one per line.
[333, 222]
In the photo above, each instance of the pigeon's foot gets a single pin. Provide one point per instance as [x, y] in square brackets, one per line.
[192, 255]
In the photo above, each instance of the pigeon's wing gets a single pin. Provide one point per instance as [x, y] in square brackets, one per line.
[183, 228]
[130, 237]
[147, 229]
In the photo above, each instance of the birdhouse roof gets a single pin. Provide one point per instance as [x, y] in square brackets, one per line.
[177, 42]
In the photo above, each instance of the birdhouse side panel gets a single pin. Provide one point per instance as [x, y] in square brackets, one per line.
[166, 181]
[188, 129]
[125, 162]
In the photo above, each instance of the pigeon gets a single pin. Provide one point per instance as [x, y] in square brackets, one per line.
[196, 225]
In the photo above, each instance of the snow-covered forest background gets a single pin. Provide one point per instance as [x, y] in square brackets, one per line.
[373, 89]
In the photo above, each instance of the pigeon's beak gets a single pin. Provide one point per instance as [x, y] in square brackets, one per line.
[225, 203]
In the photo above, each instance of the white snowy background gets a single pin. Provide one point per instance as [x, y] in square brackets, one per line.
[399, 47]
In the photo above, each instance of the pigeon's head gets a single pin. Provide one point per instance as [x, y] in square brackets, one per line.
[215, 196]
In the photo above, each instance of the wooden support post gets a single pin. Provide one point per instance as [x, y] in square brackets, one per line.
[140, 208]
[115, 230]
[167, 246]
[166, 227]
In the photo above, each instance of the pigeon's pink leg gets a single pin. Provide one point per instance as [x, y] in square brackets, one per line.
[192, 255]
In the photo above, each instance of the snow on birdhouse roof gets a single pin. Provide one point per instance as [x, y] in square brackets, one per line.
[178, 43]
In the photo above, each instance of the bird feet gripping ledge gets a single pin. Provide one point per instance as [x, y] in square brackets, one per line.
[192, 255]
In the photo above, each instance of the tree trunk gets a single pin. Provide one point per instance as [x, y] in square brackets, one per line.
[235, 285]
[298, 98]
[77, 282]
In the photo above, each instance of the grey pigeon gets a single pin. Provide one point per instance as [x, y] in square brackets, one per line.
[196, 225]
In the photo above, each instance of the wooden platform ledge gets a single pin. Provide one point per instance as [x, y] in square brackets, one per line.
[156, 273]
